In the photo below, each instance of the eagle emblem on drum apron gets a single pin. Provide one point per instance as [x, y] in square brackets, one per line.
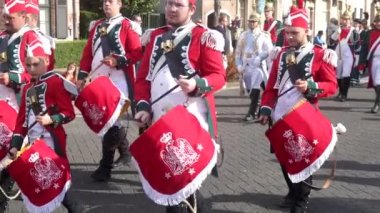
[178, 154]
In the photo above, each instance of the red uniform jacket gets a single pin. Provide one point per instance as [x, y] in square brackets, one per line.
[124, 44]
[53, 97]
[367, 50]
[273, 31]
[322, 84]
[17, 50]
[205, 56]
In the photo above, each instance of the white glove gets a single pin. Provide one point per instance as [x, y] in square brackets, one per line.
[143, 117]
[240, 69]
[257, 61]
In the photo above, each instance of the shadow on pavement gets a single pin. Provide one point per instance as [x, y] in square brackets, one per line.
[316, 205]
[97, 202]
[342, 205]
[267, 201]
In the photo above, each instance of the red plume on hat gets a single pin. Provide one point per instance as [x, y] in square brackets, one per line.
[14, 6]
[298, 16]
[193, 2]
[36, 49]
[31, 6]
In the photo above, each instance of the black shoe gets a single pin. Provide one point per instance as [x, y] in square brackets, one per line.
[101, 174]
[343, 99]
[180, 208]
[123, 160]
[72, 205]
[287, 202]
[298, 209]
[338, 97]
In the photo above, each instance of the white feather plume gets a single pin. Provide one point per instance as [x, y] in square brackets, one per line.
[286, 4]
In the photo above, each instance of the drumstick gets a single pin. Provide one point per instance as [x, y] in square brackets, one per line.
[43, 113]
[90, 75]
[286, 91]
[172, 89]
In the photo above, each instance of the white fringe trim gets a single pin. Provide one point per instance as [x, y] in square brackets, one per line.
[330, 56]
[49, 207]
[301, 176]
[176, 198]
[114, 117]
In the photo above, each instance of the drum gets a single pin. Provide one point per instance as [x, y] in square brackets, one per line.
[302, 141]
[173, 158]
[8, 117]
[100, 103]
[42, 176]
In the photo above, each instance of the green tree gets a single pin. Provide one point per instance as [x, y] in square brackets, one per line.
[130, 7]
[137, 7]
[91, 10]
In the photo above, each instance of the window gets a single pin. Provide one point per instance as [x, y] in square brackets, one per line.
[44, 24]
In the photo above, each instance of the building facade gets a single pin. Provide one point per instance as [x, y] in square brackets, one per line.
[58, 18]
[320, 11]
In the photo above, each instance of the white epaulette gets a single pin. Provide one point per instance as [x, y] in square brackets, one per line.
[145, 38]
[68, 85]
[134, 26]
[213, 39]
[274, 53]
[330, 57]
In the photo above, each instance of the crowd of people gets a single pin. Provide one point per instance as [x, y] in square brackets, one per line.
[154, 73]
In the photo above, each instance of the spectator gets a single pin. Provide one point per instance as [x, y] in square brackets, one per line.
[71, 73]
[318, 39]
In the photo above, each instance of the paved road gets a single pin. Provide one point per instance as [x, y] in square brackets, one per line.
[250, 178]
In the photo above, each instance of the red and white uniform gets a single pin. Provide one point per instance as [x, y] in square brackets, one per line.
[345, 51]
[271, 26]
[53, 97]
[123, 44]
[370, 56]
[201, 54]
[317, 62]
[17, 50]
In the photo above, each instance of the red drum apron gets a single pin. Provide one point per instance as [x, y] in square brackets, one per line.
[100, 103]
[173, 157]
[42, 176]
[302, 141]
[8, 117]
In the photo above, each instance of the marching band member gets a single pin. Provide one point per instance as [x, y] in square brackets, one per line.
[32, 20]
[46, 102]
[347, 40]
[252, 50]
[112, 49]
[174, 52]
[285, 89]
[14, 43]
[271, 25]
[370, 56]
